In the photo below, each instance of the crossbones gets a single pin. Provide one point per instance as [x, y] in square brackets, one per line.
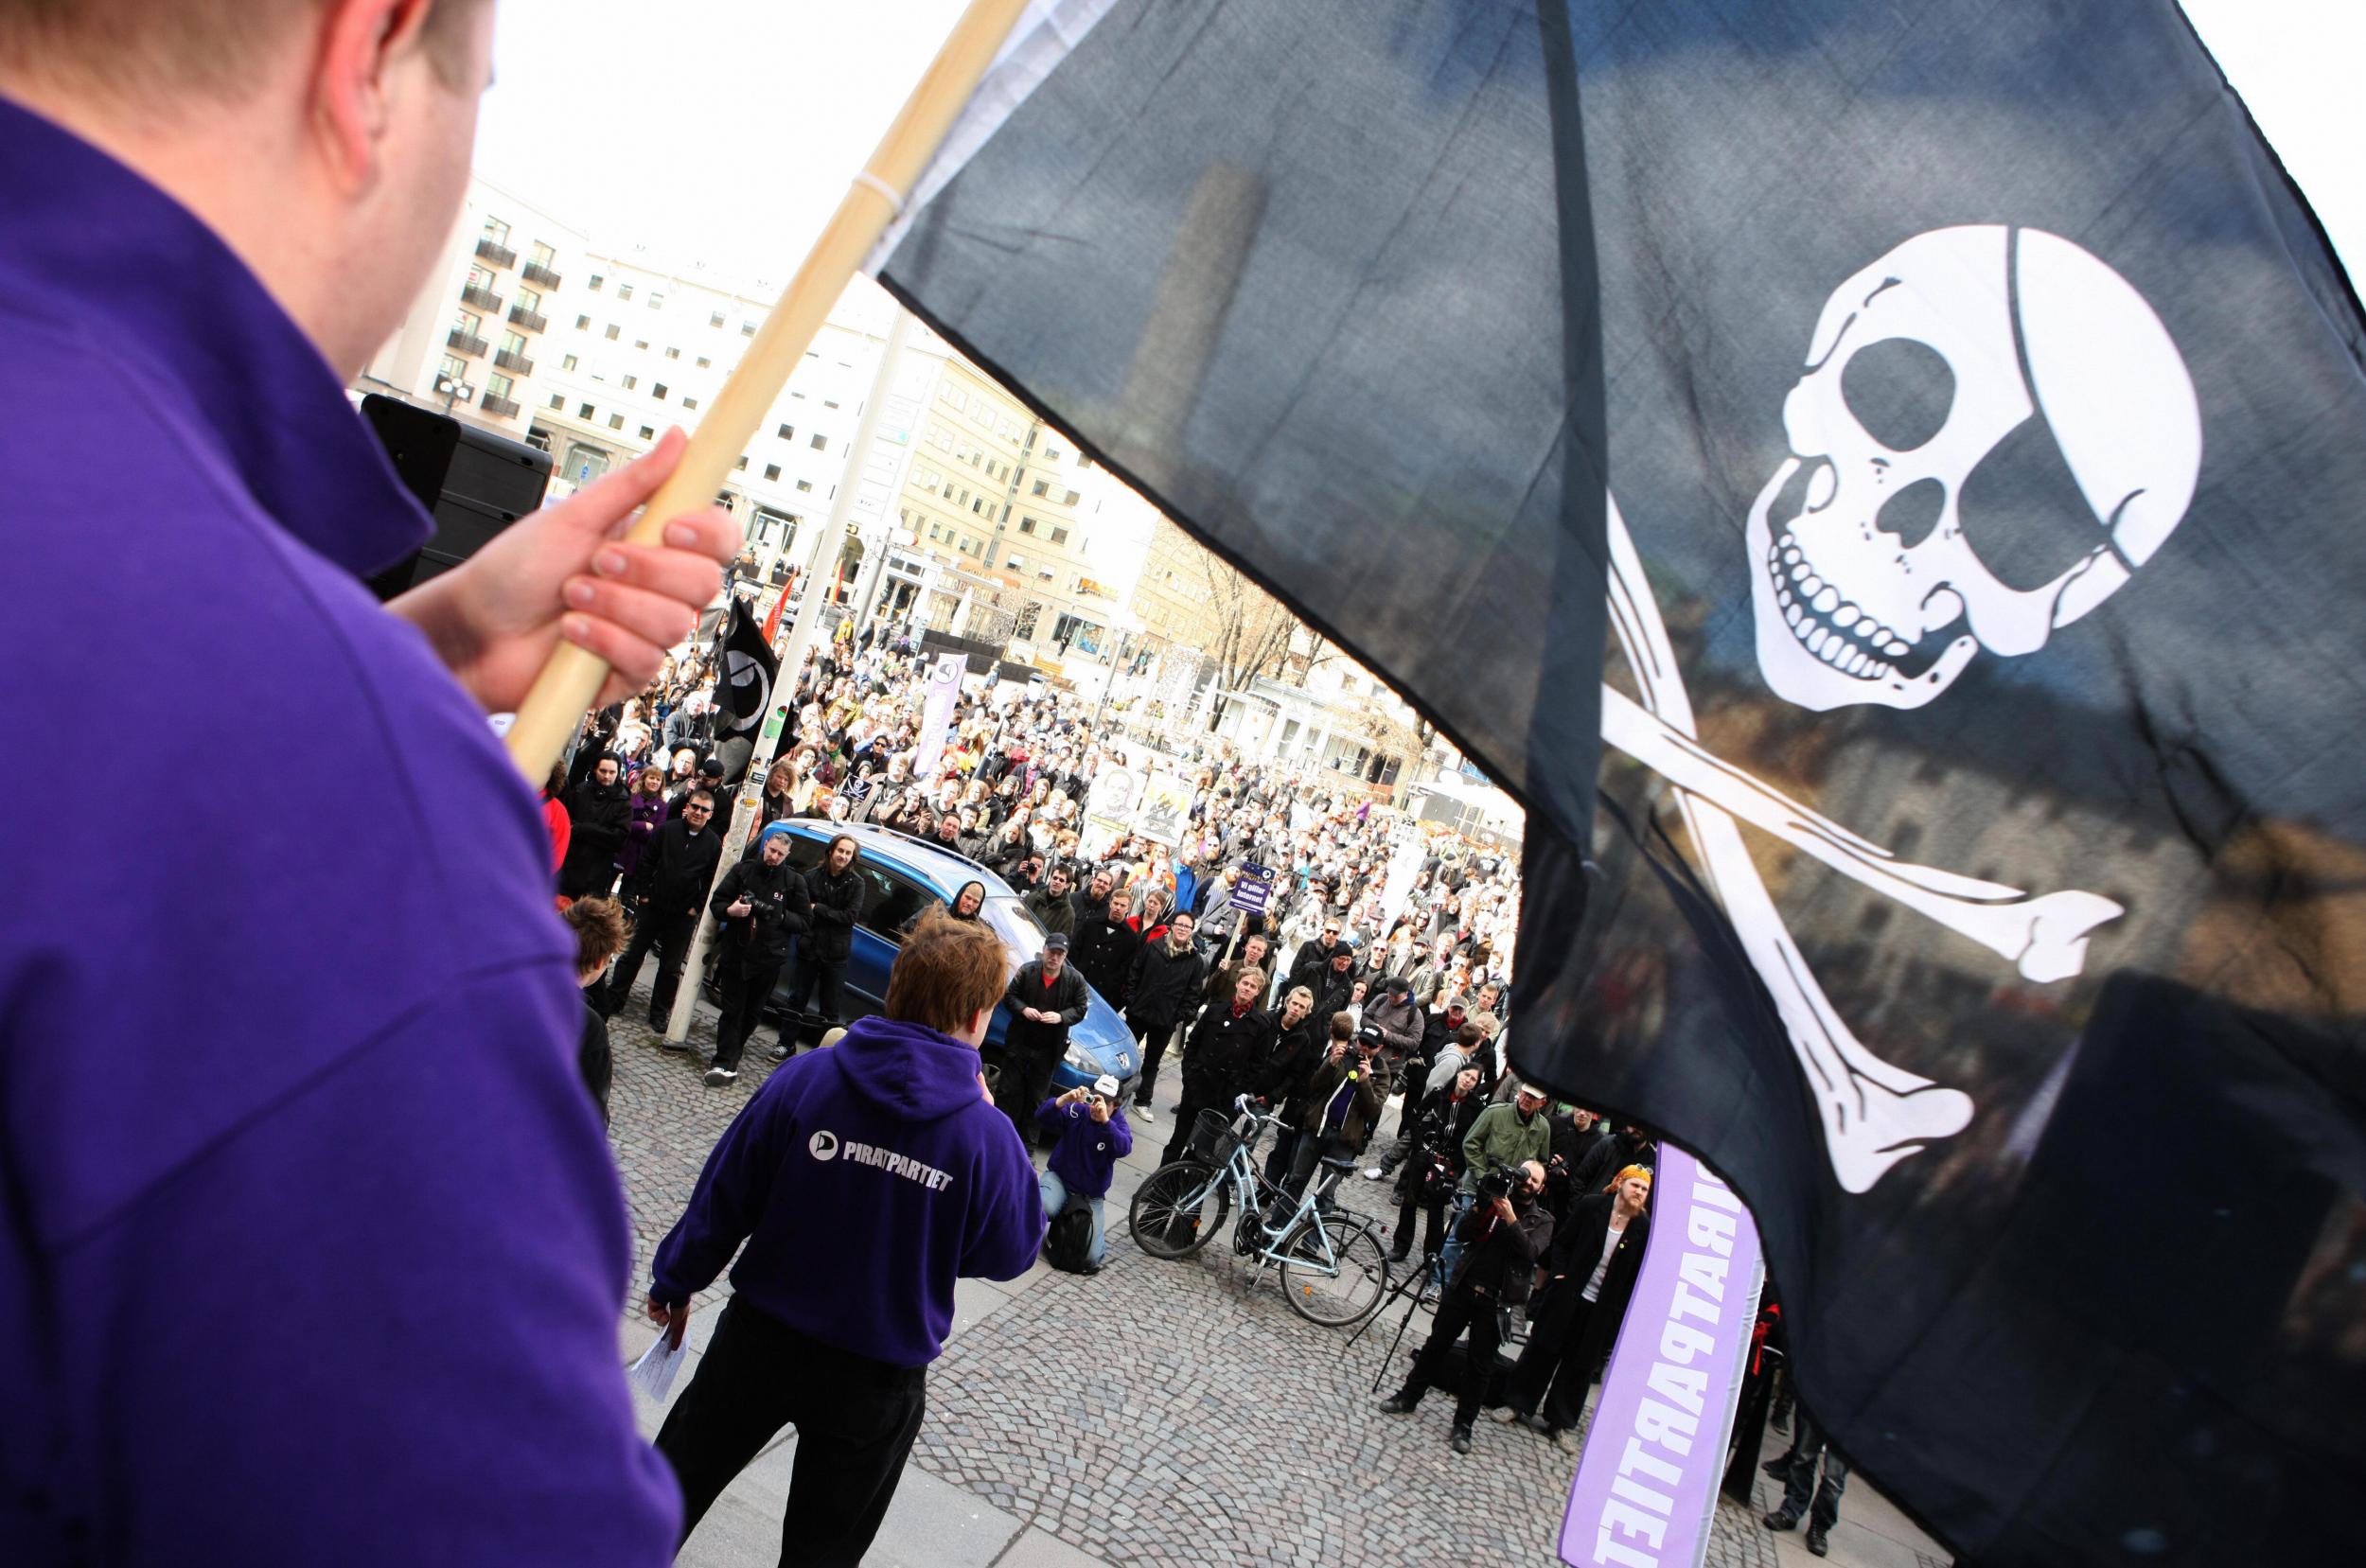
[1876, 592]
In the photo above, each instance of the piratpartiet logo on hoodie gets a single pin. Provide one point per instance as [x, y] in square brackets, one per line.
[824, 1144]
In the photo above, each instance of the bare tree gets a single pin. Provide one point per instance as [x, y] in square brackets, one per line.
[1252, 631]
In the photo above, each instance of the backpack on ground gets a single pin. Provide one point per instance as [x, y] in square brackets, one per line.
[1068, 1245]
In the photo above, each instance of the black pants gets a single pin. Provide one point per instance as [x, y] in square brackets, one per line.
[1461, 1309]
[1285, 1148]
[1154, 1039]
[1025, 1083]
[1196, 1097]
[1806, 1447]
[855, 1420]
[1548, 1379]
[825, 976]
[1435, 1209]
[670, 936]
[745, 975]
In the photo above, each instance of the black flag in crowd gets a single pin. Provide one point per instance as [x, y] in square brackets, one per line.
[745, 667]
[1979, 884]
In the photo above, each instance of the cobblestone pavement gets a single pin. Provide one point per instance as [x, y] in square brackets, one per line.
[1161, 1414]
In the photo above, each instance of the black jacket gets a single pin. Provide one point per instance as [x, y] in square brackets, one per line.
[1311, 951]
[837, 901]
[1223, 1051]
[1162, 985]
[779, 908]
[1290, 1059]
[1500, 1258]
[1570, 1147]
[1065, 995]
[1102, 950]
[1608, 1158]
[678, 865]
[596, 817]
[1569, 1262]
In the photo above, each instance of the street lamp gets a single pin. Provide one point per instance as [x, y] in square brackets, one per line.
[452, 390]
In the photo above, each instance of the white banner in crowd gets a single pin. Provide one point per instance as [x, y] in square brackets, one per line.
[936, 714]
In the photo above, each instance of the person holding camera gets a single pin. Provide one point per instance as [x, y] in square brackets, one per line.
[1092, 1135]
[762, 904]
[1428, 1180]
[1590, 1273]
[1343, 1102]
[1502, 1234]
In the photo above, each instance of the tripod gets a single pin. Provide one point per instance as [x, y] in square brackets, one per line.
[1419, 1288]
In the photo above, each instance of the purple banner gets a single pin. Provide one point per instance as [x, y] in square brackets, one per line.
[1645, 1486]
[936, 717]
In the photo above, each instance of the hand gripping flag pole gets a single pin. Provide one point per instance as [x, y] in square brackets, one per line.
[573, 677]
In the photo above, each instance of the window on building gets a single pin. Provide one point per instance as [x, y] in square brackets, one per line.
[567, 364]
[1051, 453]
[771, 470]
[820, 443]
[1059, 536]
[598, 283]
[558, 401]
[584, 413]
[545, 257]
[1017, 563]
[500, 387]
[1027, 525]
[673, 353]
[624, 291]
[829, 402]
[530, 302]
[482, 277]
[469, 324]
[616, 421]
[1041, 487]
[513, 343]
[657, 302]
[498, 232]
[583, 324]
[742, 464]
[648, 432]
[705, 363]
[716, 319]
[631, 382]
[613, 332]
[453, 368]
[787, 433]
[690, 402]
[805, 484]
[642, 345]
[1027, 618]
[1070, 500]
[658, 391]
[746, 329]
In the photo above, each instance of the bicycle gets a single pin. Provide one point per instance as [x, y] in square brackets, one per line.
[1333, 1269]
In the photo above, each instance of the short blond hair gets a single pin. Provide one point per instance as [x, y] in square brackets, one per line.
[170, 49]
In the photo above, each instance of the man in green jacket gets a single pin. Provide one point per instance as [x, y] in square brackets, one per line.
[1506, 1136]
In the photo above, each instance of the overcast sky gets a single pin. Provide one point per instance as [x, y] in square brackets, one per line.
[727, 130]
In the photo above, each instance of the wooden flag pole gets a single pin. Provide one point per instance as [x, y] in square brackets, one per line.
[570, 683]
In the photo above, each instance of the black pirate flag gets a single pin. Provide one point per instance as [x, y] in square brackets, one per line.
[1963, 420]
[746, 667]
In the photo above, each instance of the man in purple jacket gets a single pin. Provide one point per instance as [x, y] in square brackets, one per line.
[314, 1246]
[865, 1179]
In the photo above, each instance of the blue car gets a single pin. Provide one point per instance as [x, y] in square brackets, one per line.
[903, 875]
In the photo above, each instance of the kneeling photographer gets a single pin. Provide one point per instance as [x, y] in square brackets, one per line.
[1502, 1234]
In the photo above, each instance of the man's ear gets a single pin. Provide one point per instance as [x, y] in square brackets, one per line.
[362, 45]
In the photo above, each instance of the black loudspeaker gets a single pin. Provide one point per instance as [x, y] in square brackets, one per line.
[473, 482]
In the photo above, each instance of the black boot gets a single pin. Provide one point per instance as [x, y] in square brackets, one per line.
[1400, 1403]
[1816, 1542]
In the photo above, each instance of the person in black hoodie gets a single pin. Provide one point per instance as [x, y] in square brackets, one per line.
[1589, 1276]
[762, 903]
[1045, 997]
[1103, 948]
[1233, 1034]
[1629, 1145]
[1501, 1239]
[1429, 1177]
[835, 890]
[1280, 1080]
[679, 863]
[599, 812]
[1158, 996]
[1574, 1137]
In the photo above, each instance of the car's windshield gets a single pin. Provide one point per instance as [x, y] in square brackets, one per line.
[1021, 931]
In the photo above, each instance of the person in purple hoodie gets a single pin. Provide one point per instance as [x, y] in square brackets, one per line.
[313, 1245]
[1093, 1137]
[864, 1179]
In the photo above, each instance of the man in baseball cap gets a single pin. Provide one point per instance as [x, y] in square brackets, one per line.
[1045, 999]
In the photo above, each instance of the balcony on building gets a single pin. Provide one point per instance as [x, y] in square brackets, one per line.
[498, 255]
[521, 316]
[516, 362]
[461, 343]
[500, 407]
[483, 299]
[539, 275]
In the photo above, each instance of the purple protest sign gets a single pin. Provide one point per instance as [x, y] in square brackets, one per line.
[1645, 1486]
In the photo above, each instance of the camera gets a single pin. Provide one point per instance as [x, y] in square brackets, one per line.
[1495, 1183]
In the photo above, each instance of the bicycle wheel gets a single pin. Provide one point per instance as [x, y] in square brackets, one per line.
[1179, 1209]
[1338, 1285]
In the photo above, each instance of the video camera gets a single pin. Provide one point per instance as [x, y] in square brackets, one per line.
[1495, 1183]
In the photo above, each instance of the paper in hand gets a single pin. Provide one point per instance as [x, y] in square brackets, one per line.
[653, 1374]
